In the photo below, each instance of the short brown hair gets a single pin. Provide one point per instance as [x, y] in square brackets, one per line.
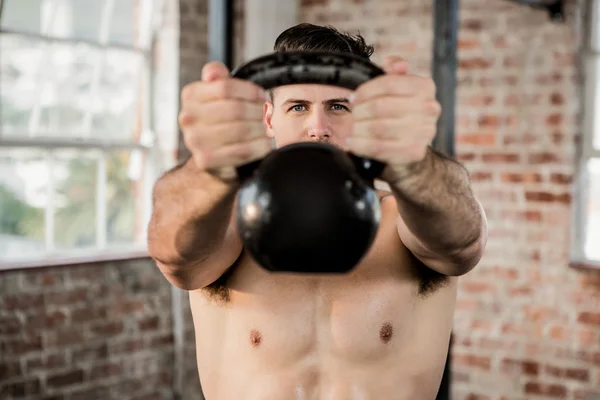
[309, 37]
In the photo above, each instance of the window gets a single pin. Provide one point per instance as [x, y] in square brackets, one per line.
[587, 234]
[75, 128]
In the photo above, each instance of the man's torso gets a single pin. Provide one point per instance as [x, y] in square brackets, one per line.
[379, 332]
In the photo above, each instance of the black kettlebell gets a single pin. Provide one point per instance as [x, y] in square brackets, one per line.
[308, 207]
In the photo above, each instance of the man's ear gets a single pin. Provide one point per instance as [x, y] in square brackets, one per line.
[267, 115]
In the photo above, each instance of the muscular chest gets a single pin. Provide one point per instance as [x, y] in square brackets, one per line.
[356, 316]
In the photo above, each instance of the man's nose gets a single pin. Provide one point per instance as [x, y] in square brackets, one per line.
[319, 128]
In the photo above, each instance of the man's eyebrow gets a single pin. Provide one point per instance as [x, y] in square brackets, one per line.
[300, 101]
[296, 101]
[338, 100]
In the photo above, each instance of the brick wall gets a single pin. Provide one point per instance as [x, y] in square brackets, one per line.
[527, 325]
[99, 331]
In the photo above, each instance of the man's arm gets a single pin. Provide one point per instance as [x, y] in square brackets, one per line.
[440, 222]
[191, 234]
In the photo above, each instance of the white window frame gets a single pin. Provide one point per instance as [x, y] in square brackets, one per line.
[159, 153]
[590, 67]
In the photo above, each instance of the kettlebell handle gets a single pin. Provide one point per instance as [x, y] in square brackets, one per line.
[344, 70]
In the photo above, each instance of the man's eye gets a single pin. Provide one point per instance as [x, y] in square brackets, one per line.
[339, 107]
[298, 107]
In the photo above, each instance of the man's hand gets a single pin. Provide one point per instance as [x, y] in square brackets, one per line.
[221, 120]
[395, 118]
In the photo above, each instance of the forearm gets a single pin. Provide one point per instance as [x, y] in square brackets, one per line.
[437, 205]
[191, 212]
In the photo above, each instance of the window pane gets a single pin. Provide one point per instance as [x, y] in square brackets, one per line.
[124, 20]
[23, 198]
[592, 244]
[22, 16]
[123, 196]
[19, 67]
[75, 176]
[117, 100]
[80, 91]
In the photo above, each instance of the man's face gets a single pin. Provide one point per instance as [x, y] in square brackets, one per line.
[305, 113]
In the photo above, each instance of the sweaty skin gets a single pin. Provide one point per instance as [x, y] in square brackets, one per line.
[379, 332]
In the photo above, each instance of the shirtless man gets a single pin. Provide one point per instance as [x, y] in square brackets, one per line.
[380, 332]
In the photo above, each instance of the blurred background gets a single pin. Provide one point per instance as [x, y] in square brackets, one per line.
[89, 96]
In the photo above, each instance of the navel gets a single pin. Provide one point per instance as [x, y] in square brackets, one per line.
[386, 332]
[255, 338]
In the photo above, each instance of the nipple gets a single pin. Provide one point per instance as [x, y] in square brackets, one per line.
[255, 338]
[386, 332]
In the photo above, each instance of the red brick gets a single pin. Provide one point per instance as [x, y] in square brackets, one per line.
[477, 287]
[107, 370]
[473, 396]
[489, 121]
[546, 197]
[504, 158]
[520, 367]
[67, 298]
[480, 176]
[66, 336]
[62, 379]
[46, 362]
[162, 340]
[460, 377]
[148, 324]
[474, 63]
[554, 119]
[549, 390]
[10, 325]
[543, 158]
[80, 315]
[557, 98]
[577, 374]
[130, 346]
[10, 369]
[589, 318]
[523, 139]
[21, 345]
[471, 360]
[23, 301]
[477, 138]
[519, 177]
[558, 332]
[46, 321]
[471, 25]
[468, 44]
[561, 179]
[464, 157]
[480, 100]
[107, 329]
[21, 389]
